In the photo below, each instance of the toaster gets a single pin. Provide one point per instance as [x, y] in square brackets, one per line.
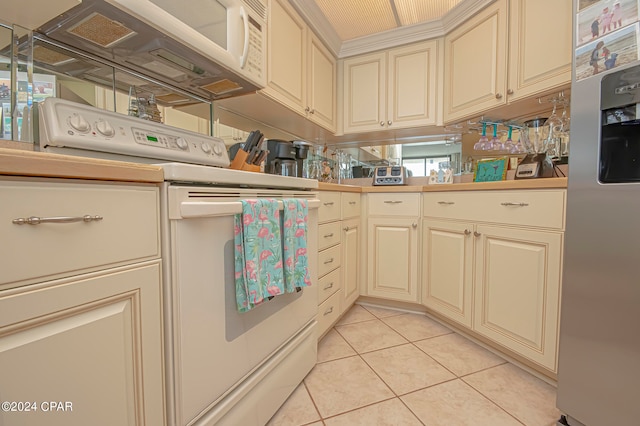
[390, 175]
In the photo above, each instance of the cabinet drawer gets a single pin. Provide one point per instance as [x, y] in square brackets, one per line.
[350, 205]
[539, 208]
[328, 313]
[389, 204]
[328, 235]
[328, 285]
[127, 232]
[329, 207]
[328, 260]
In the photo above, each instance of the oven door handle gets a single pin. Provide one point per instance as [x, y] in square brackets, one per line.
[196, 209]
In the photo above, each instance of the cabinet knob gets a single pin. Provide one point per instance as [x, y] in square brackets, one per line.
[312, 111]
[467, 232]
[389, 122]
[476, 234]
[509, 91]
[498, 95]
[346, 229]
[382, 124]
[414, 225]
[307, 109]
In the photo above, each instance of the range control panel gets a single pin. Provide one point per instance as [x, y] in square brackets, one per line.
[67, 125]
[390, 175]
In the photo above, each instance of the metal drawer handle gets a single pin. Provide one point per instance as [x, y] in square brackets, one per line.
[352, 203]
[328, 261]
[328, 311]
[329, 235]
[327, 287]
[329, 203]
[446, 203]
[515, 204]
[346, 228]
[34, 220]
[393, 202]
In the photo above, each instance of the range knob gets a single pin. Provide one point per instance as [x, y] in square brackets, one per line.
[217, 150]
[182, 143]
[206, 148]
[79, 123]
[105, 128]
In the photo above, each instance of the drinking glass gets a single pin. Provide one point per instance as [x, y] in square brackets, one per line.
[496, 143]
[483, 141]
[508, 145]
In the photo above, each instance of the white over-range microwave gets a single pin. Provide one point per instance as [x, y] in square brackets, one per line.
[213, 48]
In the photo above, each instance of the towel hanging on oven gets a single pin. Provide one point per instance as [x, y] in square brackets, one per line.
[294, 242]
[258, 253]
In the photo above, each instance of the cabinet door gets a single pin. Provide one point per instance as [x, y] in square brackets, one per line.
[475, 63]
[287, 50]
[413, 82]
[539, 46]
[350, 261]
[321, 75]
[517, 290]
[95, 342]
[364, 93]
[448, 269]
[392, 259]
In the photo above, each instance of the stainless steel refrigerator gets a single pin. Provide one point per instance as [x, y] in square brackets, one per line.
[599, 355]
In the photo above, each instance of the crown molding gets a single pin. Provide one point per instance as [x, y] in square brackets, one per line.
[314, 17]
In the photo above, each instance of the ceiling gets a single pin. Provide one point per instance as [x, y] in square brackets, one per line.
[353, 27]
[359, 18]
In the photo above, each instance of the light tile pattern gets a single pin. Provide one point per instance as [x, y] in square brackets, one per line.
[384, 367]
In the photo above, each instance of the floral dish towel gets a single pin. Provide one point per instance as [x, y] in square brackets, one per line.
[294, 236]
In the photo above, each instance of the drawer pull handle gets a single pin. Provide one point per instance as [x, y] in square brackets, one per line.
[467, 232]
[393, 202]
[328, 261]
[446, 203]
[353, 203]
[346, 229]
[329, 203]
[327, 287]
[329, 235]
[515, 204]
[328, 311]
[34, 220]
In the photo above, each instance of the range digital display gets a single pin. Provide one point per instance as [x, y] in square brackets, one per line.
[152, 138]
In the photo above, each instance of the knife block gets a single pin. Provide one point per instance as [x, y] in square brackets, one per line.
[240, 162]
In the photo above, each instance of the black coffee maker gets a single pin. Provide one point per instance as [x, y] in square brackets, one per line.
[285, 158]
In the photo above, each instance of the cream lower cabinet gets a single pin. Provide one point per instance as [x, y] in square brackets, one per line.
[492, 263]
[329, 260]
[81, 304]
[351, 252]
[392, 246]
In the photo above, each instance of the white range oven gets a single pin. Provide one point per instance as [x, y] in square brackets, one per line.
[222, 367]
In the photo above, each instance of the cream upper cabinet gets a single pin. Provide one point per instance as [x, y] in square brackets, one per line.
[398, 88]
[511, 50]
[301, 71]
[475, 63]
[540, 46]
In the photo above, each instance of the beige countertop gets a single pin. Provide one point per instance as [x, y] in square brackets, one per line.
[469, 186]
[19, 162]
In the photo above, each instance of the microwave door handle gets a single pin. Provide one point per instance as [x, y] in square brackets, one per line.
[245, 49]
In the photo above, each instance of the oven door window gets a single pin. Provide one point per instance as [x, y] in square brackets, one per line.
[208, 17]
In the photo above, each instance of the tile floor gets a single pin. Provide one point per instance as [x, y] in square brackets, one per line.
[385, 367]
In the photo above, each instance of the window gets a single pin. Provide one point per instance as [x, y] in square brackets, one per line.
[423, 166]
